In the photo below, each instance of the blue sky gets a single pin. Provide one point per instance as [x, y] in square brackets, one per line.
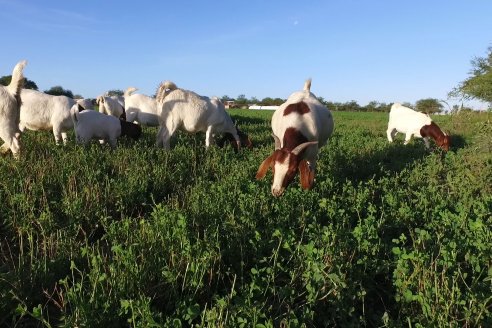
[353, 50]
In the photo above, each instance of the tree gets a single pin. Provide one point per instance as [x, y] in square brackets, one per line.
[351, 106]
[479, 84]
[59, 91]
[241, 100]
[254, 100]
[429, 105]
[226, 98]
[115, 92]
[28, 84]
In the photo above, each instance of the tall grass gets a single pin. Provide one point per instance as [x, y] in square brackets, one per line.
[391, 235]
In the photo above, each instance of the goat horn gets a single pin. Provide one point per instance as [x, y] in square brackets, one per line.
[277, 141]
[301, 147]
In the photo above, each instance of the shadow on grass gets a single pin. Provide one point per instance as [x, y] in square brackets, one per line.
[363, 166]
[457, 142]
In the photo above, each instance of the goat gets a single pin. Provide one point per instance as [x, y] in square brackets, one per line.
[300, 127]
[40, 111]
[111, 106]
[411, 123]
[140, 108]
[86, 103]
[243, 137]
[10, 102]
[90, 124]
[186, 110]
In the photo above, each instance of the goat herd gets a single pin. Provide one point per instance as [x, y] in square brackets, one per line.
[300, 126]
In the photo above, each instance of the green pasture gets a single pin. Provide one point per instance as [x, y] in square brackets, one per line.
[390, 236]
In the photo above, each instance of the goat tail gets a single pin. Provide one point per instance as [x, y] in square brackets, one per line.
[129, 91]
[17, 81]
[74, 113]
[307, 85]
[164, 89]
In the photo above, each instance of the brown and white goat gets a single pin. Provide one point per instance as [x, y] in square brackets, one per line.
[405, 120]
[300, 127]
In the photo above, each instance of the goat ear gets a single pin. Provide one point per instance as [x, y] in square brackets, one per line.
[277, 141]
[307, 175]
[262, 170]
[301, 147]
[79, 108]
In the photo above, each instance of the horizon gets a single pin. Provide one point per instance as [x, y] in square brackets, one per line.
[381, 51]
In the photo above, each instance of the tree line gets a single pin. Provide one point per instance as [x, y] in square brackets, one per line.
[477, 86]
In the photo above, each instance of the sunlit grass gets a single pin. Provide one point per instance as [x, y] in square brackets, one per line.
[139, 236]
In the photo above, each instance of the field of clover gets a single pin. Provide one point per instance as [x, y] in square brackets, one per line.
[390, 235]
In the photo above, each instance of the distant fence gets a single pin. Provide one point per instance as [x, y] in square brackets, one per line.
[263, 107]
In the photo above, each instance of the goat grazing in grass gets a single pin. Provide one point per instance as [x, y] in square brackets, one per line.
[86, 103]
[183, 109]
[140, 108]
[90, 124]
[411, 123]
[111, 106]
[300, 127]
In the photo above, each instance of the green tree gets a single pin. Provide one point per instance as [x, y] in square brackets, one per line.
[115, 92]
[350, 106]
[59, 91]
[226, 98]
[267, 101]
[479, 84]
[253, 100]
[429, 105]
[241, 100]
[28, 84]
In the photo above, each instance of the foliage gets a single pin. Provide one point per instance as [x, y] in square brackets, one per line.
[59, 91]
[28, 84]
[271, 101]
[479, 84]
[429, 105]
[226, 98]
[115, 92]
[391, 235]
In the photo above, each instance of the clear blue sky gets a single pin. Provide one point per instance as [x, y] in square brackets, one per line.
[352, 49]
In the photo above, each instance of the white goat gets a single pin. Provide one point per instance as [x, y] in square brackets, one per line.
[85, 103]
[111, 106]
[140, 108]
[10, 110]
[89, 124]
[120, 99]
[300, 127]
[183, 109]
[40, 111]
[405, 120]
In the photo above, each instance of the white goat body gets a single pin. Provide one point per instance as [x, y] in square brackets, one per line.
[89, 124]
[407, 121]
[85, 103]
[10, 110]
[140, 108]
[110, 106]
[40, 111]
[186, 110]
